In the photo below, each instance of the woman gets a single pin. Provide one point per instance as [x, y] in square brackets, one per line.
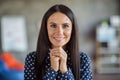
[57, 56]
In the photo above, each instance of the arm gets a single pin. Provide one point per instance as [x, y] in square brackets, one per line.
[85, 67]
[61, 65]
[50, 74]
[29, 69]
[29, 72]
[68, 75]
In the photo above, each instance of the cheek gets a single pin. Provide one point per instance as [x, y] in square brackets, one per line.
[69, 32]
[50, 33]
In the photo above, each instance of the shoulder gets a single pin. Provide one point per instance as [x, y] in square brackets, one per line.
[84, 58]
[30, 57]
[29, 69]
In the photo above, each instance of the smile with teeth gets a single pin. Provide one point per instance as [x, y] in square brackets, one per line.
[58, 38]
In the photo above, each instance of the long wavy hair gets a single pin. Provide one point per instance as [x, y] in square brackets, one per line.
[43, 43]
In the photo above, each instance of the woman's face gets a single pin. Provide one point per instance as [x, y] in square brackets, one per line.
[59, 28]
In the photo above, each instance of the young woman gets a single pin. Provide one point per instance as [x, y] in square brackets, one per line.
[57, 56]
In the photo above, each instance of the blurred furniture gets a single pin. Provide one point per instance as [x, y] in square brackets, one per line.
[10, 68]
[107, 48]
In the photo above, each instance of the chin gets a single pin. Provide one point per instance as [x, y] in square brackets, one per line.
[58, 45]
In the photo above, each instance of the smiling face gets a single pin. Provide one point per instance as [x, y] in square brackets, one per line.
[59, 28]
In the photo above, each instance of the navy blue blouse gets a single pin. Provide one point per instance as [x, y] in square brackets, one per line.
[50, 74]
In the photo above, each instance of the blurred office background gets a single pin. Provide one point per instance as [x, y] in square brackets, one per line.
[99, 33]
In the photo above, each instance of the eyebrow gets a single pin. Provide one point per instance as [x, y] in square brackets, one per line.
[67, 23]
[52, 23]
[56, 23]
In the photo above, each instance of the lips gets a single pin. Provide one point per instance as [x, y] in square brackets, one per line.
[59, 38]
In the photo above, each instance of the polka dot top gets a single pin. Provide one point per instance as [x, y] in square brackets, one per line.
[50, 74]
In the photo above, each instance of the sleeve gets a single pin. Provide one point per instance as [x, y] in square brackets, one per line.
[29, 72]
[85, 67]
[67, 75]
[50, 74]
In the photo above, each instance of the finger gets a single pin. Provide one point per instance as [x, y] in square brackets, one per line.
[59, 52]
[54, 58]
[57, 48]
[54, 55]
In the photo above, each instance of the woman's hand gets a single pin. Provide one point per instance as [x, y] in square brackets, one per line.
[62, 56]
[54, 60]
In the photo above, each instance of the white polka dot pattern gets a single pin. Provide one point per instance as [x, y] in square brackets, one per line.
[50, 74]
[29, 72]
[85, 67]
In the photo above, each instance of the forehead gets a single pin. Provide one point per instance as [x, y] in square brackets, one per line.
[59, 17]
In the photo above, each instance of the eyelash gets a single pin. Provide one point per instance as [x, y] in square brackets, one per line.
[64, 26]
[53, 26]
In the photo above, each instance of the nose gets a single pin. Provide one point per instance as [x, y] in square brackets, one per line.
[59, 30]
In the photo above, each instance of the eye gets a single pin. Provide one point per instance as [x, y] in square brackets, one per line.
[53, 25]
[65, 26]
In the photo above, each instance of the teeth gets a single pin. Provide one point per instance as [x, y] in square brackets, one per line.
[59, 38]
